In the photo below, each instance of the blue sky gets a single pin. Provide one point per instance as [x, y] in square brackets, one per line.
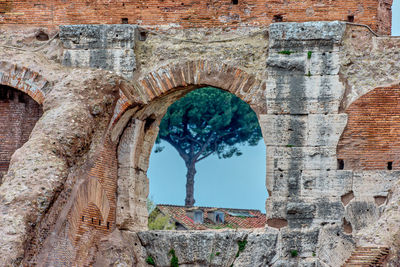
[238, 182]
[396, 18]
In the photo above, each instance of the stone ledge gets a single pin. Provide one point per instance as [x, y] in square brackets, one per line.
[332, 31]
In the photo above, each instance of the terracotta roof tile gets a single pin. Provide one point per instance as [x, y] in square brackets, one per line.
[178, 213]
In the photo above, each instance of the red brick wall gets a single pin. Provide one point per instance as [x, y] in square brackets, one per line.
[18, 115]
[190, 13]
[85, 234]
[371, 138]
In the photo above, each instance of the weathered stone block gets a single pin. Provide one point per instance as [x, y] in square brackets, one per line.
[285, 183]
[329, 209]
[325, 130]
[326, 183]
[302, 158]
[302, 130]
[331, 32]
[300, 214]
[374, 183]
[276, 207]
[334, 247]
[199, 248]
[99, 36]
[260, 250]
[284, 129]
[307, 62]
[304, 242]
[121, 61]
[360, 213]
[303, 94]
[108, 47]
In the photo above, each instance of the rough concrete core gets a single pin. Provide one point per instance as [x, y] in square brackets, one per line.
[93, 143]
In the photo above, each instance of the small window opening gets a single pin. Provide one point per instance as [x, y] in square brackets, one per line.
[350, 18]
[390, 165]
[108, 225]
[124, 21]
[42, 36]
[142, 36]
[340, 164]
[83, 218]
[99, 222]
[277, 18]
[235, 2]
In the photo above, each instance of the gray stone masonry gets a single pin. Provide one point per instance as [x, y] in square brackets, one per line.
[108, 47]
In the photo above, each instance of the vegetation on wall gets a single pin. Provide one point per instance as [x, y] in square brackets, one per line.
[158, 221]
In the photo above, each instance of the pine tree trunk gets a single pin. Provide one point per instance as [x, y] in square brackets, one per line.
[191, 171]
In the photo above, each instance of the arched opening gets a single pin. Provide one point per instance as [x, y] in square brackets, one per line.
[396, 18]
[202, 137]
[158, 90]
[18, 115]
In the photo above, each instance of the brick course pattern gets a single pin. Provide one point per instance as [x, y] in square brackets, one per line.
[190, 13]
[371, 138]
[18, 115]
[25, 80]
[95, 201]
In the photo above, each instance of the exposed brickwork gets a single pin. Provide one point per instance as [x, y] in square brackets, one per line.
[190, 13]
[371, 138]
[96, 200]
[18, 115]
[24, 79]
[367, 256]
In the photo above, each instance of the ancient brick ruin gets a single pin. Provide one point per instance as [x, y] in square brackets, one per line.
[89, 81]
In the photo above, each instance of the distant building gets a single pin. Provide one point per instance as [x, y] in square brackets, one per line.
[204, 218]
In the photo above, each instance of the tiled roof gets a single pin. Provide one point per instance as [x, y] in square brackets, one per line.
[232, 220]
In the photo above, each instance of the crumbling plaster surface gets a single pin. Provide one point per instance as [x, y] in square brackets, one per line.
[300, 100]
[367, 62]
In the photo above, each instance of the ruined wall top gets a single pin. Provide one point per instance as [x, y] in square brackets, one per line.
[190, 13]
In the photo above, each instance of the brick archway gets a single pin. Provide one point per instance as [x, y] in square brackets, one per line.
[25, 80]
[168, 78]
[22, 97]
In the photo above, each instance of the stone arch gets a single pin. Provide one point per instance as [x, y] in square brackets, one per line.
[31, 87]
[25, 80]
[166, 79]
[154, 92]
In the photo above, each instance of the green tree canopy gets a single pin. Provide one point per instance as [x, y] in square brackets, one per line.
[204, 122]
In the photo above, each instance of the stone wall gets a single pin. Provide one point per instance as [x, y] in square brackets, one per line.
[95, 138]
[189, 13]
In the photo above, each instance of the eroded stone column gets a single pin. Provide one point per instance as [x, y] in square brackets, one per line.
[302, 129]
